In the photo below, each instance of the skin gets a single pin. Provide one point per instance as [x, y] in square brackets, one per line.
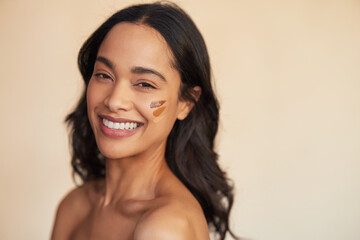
[140, 198]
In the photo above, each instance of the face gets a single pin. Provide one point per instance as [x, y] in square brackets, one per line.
[132, 96]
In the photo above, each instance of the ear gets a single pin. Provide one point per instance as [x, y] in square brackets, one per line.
[185, 107]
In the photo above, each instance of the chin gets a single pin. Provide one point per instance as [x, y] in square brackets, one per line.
[110, 153]
[117, 151]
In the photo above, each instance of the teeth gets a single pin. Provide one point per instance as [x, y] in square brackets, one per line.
[121, 125]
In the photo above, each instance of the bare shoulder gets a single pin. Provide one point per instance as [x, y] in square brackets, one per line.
[172, 219]
[73, 208]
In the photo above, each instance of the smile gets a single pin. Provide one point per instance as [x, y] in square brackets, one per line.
[120, 125]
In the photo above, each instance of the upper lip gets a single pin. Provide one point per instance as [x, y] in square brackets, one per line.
[113, 119]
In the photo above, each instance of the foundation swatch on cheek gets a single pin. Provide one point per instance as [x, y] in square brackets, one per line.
[157, 104]
[157, 119]
[158, 111]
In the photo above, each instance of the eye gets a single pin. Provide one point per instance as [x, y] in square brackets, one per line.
[102, 76]
[145, 85]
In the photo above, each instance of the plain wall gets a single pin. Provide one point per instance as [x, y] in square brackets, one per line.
[288, 78]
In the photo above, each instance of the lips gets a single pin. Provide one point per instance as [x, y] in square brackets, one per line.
[118, 127]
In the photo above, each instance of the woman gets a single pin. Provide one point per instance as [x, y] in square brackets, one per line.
[143, 133]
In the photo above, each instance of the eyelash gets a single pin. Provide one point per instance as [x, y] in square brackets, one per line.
[143, 85]
[102, 76]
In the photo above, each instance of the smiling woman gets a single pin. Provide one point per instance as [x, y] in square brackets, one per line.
[143, 134]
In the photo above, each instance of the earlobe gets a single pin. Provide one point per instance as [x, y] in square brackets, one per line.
[186, 106]
[184, 109]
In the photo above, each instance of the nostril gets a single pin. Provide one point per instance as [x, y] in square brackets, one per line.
[116, 103]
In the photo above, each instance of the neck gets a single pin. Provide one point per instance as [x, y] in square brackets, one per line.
[134, 177]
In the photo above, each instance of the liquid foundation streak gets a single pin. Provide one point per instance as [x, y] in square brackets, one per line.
[158, 111]
[157, 119]
[157, 104]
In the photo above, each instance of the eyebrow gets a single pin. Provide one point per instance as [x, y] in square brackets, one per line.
[106, 61]
[135, 70]
[142, 70]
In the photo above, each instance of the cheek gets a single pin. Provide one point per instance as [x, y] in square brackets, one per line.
[94, 98]
[157, 109]
[91, 97]
[90, 104]
[159, 114]
[96, 93]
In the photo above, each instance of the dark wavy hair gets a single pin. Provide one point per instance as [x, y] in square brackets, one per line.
[190, 145]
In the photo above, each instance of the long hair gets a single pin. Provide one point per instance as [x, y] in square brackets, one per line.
[190, 145]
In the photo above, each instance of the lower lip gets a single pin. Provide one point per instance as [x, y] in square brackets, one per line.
[116, 133]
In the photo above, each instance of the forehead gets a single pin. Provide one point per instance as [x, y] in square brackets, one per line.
[129, 44]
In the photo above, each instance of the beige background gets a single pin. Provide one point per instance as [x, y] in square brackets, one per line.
[288, 77]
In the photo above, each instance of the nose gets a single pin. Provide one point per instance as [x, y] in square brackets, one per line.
[119, 97]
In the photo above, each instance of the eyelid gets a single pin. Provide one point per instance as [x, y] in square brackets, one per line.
[146, 81]
[103, 75]
[149, 84]
[101, 69]
[99, 74]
